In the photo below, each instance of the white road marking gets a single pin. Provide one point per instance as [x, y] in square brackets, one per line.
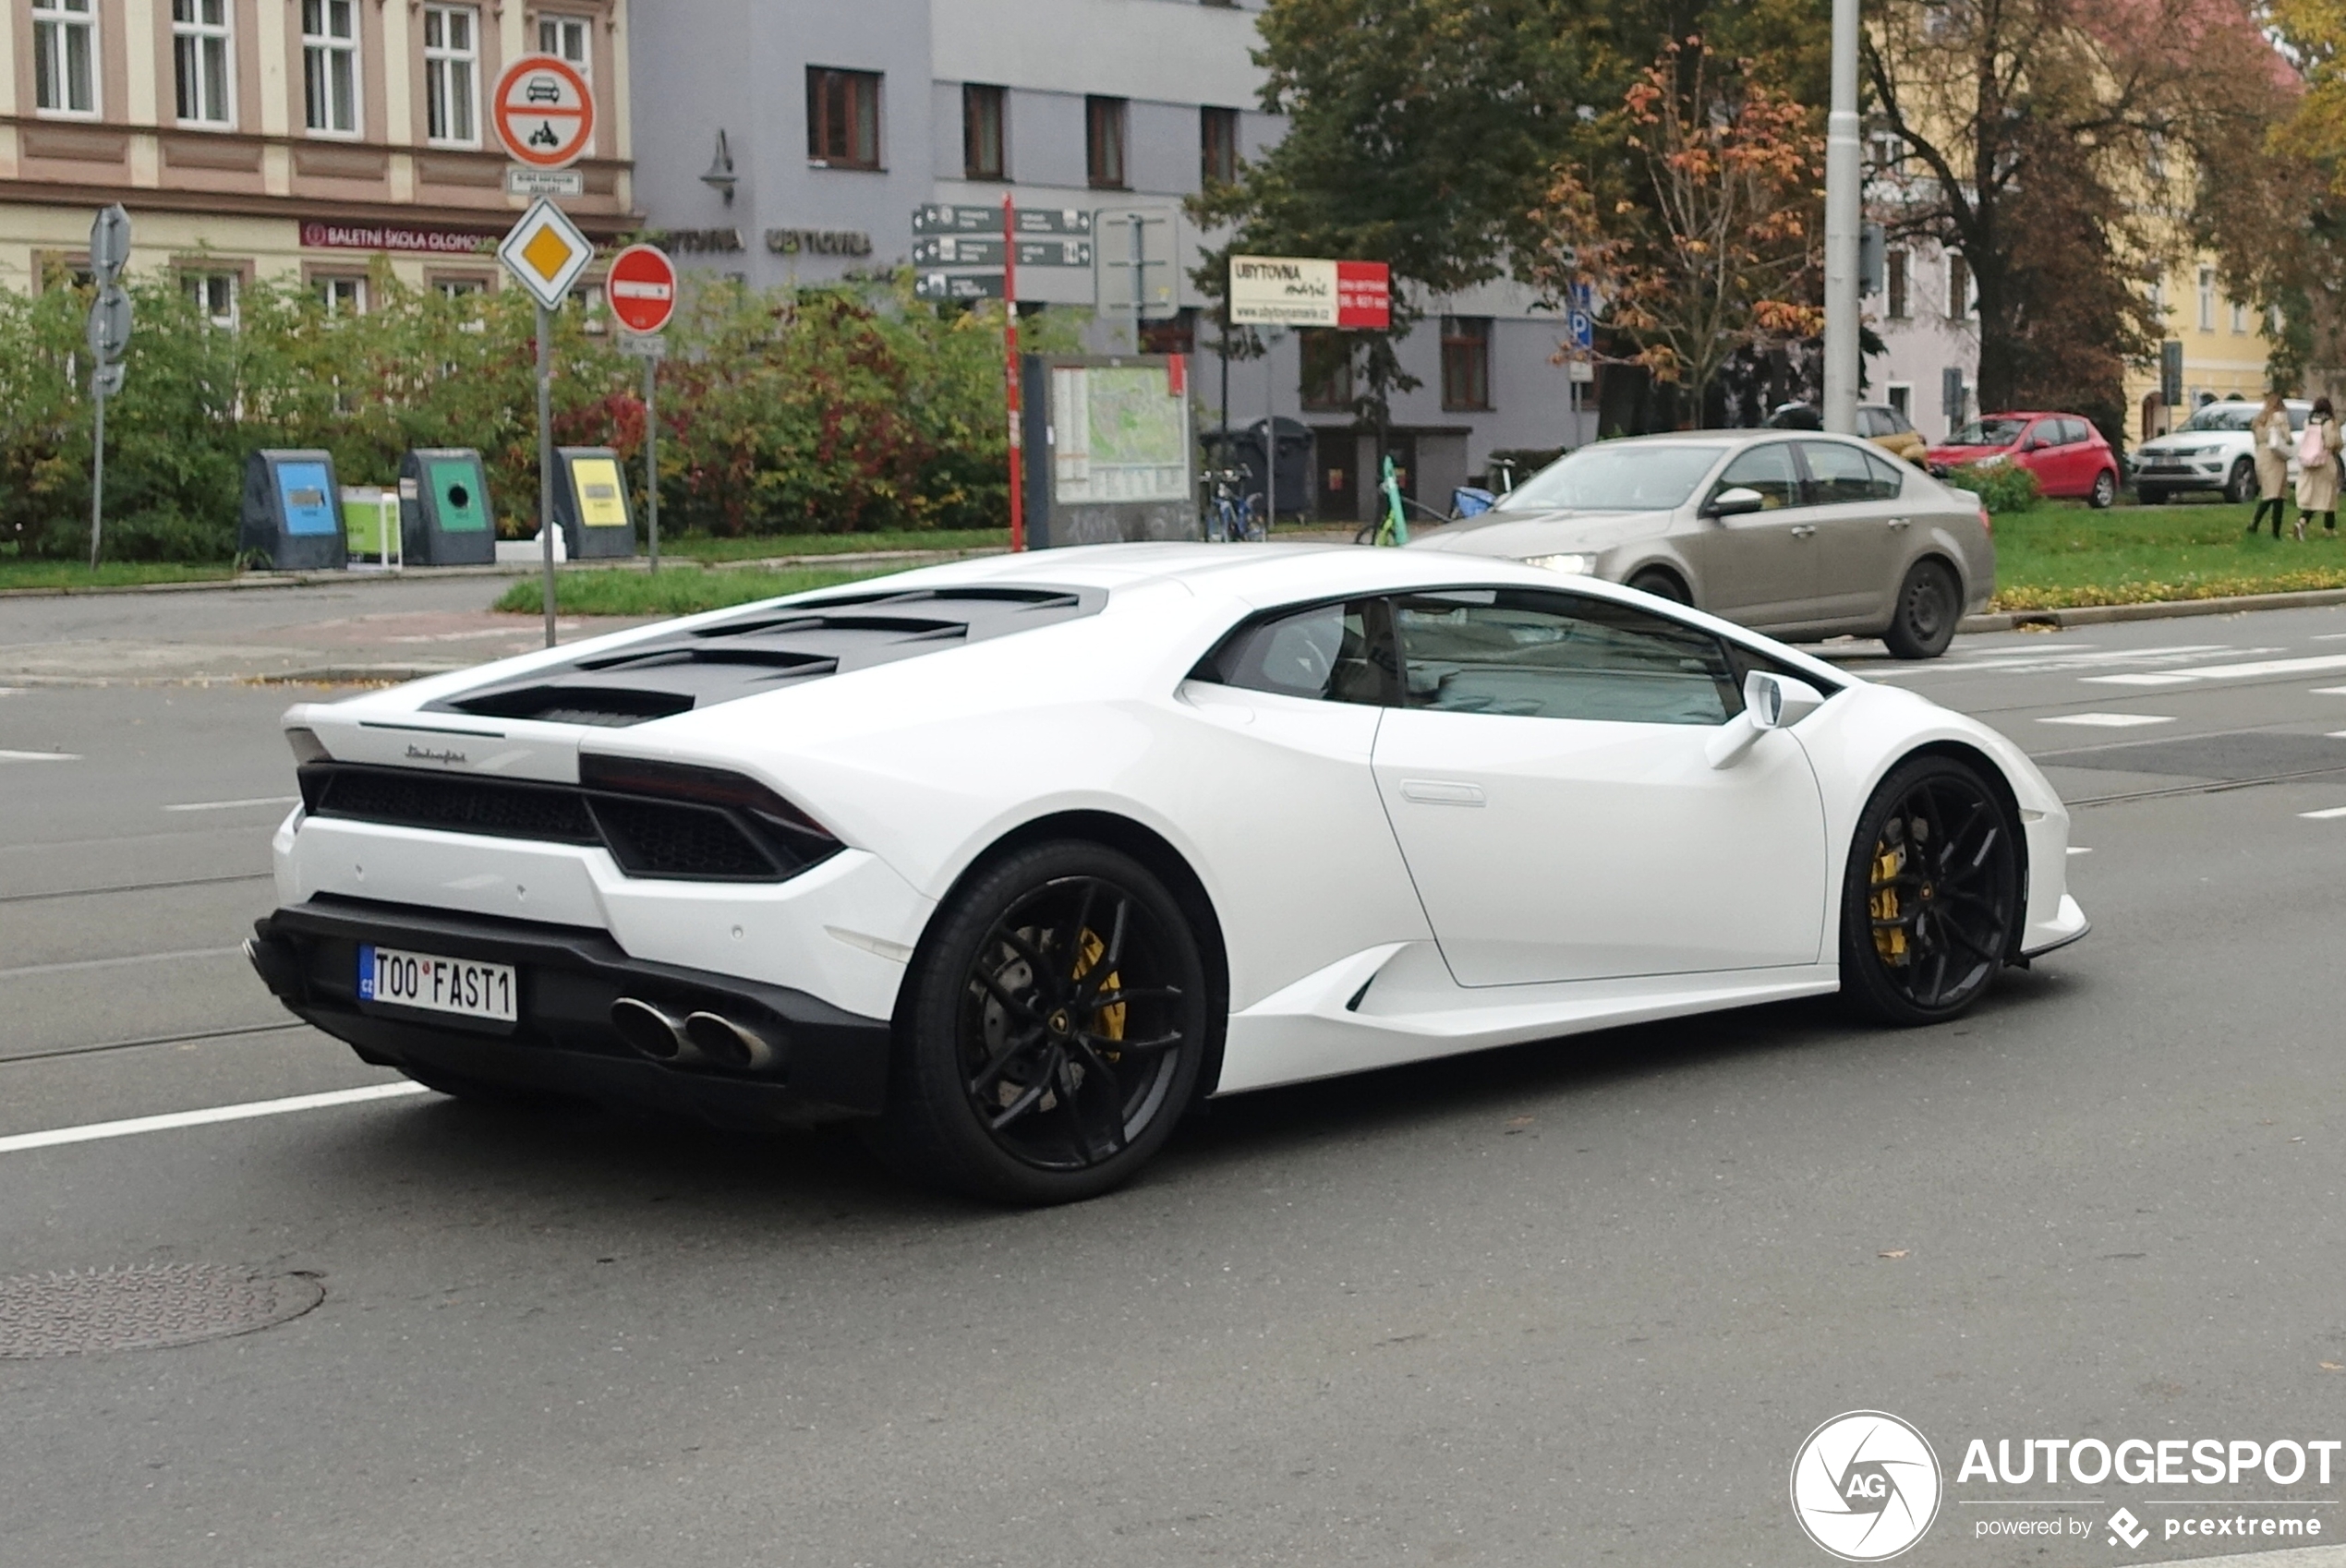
[2257, 668]
[2109, 720]
[252, 1108]
[40, 756]
[2330, 637]
[76, 964]
[2145, 678]
[2323, 815]
[231, 805]
[2329, 691]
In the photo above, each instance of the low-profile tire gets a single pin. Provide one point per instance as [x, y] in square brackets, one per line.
[2105, 490]
[1661, 585]
[1923, 619]
[1931, 894]
[2240, 487]
[1052, 1030]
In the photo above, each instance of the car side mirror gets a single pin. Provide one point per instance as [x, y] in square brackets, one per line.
[1734, 502]
[1770, 702]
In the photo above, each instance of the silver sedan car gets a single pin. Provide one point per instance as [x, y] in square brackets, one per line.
[1799, 534]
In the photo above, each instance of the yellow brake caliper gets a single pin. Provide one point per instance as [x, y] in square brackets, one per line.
[1108, 1021]
[1890, 941]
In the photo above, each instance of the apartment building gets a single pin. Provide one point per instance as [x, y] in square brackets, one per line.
[286, 138]
[785, 140]
[2224, 344]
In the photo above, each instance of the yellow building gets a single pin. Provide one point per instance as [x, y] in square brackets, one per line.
[2223, 349]
[286, 138]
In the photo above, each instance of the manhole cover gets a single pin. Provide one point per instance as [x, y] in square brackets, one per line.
[142, 1308]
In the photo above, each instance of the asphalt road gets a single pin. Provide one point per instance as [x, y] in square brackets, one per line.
[1568, 1302]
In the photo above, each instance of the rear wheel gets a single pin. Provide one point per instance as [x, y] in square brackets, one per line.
[1056, 1022]
[1930, 896]
[1923, 620]
[2106, 489]
[2241, 488]
[1662, 585]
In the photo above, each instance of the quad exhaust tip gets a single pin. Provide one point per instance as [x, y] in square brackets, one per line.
[697, 1039]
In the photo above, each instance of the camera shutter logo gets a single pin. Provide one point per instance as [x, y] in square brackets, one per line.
[1865, 1486]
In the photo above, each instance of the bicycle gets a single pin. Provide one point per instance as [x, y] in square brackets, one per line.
[1227, 517]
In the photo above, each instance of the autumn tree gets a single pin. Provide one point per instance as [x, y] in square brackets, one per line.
[1706, 243]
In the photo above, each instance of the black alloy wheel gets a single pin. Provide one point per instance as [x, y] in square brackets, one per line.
[1922, 622]
[1054, 1024]
[2105, 490]
[1931, 894]
[1662, 585]
[2241, 488]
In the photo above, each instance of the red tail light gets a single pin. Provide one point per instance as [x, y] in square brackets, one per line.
[1985, 522]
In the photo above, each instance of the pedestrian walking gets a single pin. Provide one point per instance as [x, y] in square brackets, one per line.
[2317, 468]
[2270, 434]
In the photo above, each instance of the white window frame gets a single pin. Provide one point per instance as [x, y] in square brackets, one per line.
[54, 23]
[198, 281]
[445, 64]
[2207, 300]
[557, 29]
[207, 43]
[341, 293]
[2240, 317]
[320, 52]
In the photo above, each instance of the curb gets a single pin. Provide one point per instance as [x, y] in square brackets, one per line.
[2162, 609]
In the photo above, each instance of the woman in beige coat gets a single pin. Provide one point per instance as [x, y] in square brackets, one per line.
[2317, 476]
[2272, 438]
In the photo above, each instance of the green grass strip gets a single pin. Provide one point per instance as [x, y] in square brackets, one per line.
[682, 590]
[2062, 558]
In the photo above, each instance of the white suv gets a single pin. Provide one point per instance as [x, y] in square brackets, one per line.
[2210, 451]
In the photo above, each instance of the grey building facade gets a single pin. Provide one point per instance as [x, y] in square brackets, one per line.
[791, 141]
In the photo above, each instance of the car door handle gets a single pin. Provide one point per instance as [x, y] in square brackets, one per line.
[1441, 793]
[1900, 522]
[1801, 530]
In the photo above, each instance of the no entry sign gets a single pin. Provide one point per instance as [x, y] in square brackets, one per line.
[543, 111]
[641, 288]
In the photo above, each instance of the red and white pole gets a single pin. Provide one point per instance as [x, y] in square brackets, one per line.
[1009, 356]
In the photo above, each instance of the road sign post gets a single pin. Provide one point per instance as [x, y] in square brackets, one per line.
[1009, 371]
[641, 288]
[545, 253]
[109, 340]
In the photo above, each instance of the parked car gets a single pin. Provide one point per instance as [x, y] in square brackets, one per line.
[1878, 422]
[1805, 535]
[2066, 453]
[1018, 858]
[2210, 451]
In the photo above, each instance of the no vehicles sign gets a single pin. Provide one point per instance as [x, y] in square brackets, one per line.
[543, 111]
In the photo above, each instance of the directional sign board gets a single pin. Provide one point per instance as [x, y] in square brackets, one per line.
[545, 253]
[1295, 290]
[543, 111]
[985, 250]
[939, 218]
[958, 286]
[641, 288]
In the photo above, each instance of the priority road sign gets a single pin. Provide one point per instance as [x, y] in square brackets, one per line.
[545, 253]
[958, 286]
[641, 288]
[543, 111]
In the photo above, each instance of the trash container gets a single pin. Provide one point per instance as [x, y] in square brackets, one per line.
[445, 518]
[1242, 448]
[291, 519]
[590, 504]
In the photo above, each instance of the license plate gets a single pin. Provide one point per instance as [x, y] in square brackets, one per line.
[441, 985]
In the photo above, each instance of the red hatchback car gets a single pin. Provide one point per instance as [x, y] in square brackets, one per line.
[2064, 451]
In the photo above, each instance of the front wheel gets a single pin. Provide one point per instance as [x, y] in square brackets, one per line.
[1054, 1024]
[2105, 489]
[1923, 620]
[2241, 488]
[1662, 585]
[1930, 895]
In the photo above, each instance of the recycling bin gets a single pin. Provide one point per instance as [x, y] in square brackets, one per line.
[444, 519]
[590, 504]
[291, 519]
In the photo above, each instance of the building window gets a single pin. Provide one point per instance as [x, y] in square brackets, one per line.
[1901, 400]
[982, 150]
[2240, 317]
[842, 119]
[1958, 288]
[1104, 124]
[452, 75]
[215, 294]
[2207, 300]
[1327, 368]
[330, 66]
[1893, 283]
[567, 38]
[1466, 362]
[459, 287]
[1217, 146]
[65, 57]
[200, 57]
[340, 295]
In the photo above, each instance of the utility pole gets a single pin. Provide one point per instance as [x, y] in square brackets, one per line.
[1010, 358]
[546, 457]
[1843, 177]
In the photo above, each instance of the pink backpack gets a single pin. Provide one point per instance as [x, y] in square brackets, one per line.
[2311, 449]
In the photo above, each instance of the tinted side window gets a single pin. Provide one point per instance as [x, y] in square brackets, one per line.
[1889, 480]
[1327, 652]
[1526, 654]
[1871, 422]
[1766, 469]
[1840, 474]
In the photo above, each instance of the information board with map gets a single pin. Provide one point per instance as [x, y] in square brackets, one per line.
[1118, 433]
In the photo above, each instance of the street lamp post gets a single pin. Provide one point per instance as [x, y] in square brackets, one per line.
[1843, 174]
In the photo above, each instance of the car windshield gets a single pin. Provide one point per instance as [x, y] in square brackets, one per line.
[1988, 432]
[1615, 478]
[2222, 416]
